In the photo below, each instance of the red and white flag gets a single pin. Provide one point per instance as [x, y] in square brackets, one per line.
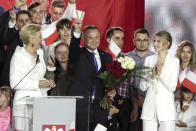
[114, 50]
[49, 33]
[72, 126]
[188, 79]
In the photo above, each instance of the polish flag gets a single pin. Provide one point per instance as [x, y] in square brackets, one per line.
[72, 126]
[114, 50]
[182, 77]
[49, 33]
[189, 81]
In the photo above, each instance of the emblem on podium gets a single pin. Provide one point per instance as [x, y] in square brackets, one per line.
[53, 128]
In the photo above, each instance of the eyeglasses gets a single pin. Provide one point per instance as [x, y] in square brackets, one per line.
[139, 40]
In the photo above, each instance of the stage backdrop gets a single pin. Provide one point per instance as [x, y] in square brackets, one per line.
[128, 14]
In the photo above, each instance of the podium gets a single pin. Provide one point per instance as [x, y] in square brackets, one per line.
[50, 113]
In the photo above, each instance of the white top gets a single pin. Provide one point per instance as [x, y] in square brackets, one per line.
[21, 63]
[188, 117]
[159, 98]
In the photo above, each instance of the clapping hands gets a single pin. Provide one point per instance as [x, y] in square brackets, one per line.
[157, 69]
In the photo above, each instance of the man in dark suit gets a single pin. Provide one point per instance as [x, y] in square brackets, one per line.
[6, 37]
[12, 40]
[85, 81]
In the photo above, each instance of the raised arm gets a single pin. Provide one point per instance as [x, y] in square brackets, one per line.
[74, 48]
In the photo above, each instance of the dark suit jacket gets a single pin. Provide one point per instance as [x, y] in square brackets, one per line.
[4, 19]
[85, 76]
[11, 38]
[84, 80]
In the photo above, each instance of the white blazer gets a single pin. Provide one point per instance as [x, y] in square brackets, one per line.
[21, 63]
[159, 98]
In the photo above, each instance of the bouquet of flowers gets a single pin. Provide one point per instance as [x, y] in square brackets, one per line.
[116, 72]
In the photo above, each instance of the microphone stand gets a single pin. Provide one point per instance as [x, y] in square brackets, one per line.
[89, 107]
[91, 98]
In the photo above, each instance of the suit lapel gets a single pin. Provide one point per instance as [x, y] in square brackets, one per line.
[101, 55]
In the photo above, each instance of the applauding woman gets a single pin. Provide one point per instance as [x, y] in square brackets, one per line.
[159, 105]
[27, 71]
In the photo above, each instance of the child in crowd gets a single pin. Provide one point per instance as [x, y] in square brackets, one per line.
[186, 107]
[4, 108]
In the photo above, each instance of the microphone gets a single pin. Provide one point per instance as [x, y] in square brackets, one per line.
[37, 60]
[52, 59]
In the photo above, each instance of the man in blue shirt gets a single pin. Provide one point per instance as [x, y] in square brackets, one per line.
[139, 54]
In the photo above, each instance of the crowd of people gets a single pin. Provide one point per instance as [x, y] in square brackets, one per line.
[164, 100]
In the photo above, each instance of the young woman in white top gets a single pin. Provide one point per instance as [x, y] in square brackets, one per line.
[160, 84]
[27, 70]
[186, 107]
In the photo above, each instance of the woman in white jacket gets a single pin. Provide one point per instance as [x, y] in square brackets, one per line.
[160, 84]
[27, 70]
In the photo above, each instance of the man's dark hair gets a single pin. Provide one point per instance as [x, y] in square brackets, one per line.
[142, 31]
[22, 12]
[63, 23]
[59, 4]
[90, 27]
[110, 32]
[33, 5]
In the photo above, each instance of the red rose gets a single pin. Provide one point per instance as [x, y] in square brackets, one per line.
[108, 67]
[118, 65]
[118, 74]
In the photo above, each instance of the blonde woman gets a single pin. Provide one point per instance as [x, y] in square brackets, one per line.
[159, 105]
[27, 71]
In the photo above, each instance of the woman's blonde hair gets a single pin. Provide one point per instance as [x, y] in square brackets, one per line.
[192, 63]
[28, 32]
[166, 35]
[5, 90]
